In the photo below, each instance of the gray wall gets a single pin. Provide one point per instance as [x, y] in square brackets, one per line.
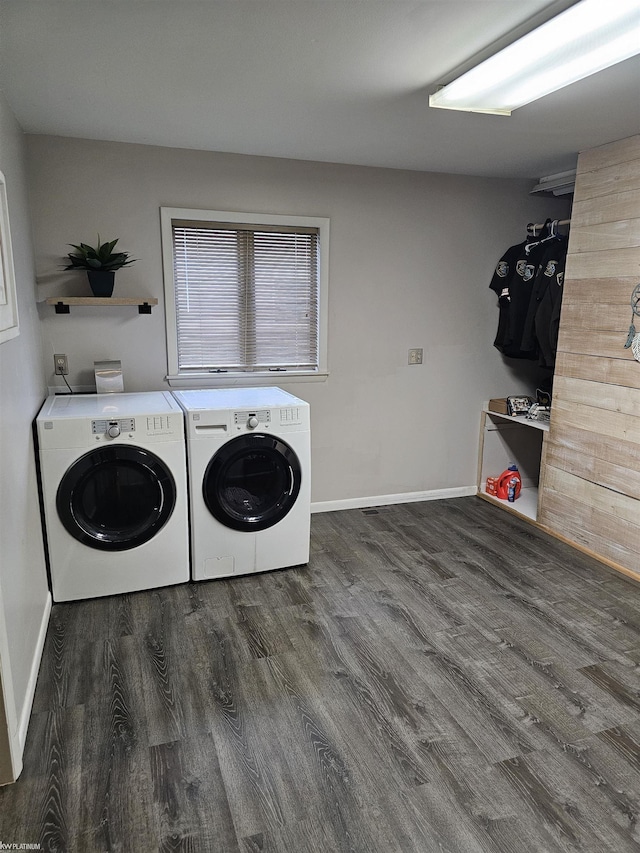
[411, 259]
[24, 597]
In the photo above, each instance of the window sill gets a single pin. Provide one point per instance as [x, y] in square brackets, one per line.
[217, 380]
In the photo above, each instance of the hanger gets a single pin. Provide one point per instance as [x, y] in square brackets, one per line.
[546, 227]
[551, 227]
[553, 232]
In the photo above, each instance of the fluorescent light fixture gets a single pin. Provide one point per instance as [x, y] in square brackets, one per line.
[586, 38]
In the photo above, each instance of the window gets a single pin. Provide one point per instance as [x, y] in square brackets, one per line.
[244, 293]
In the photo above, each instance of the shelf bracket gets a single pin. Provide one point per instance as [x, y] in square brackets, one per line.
[61, 308]
[145, 308]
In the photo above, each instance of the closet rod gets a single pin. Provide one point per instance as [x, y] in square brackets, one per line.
[536, 227]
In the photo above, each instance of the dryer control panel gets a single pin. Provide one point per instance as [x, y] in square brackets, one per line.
[284, 418]
[252, 420]
[113, 428]
[150, 427]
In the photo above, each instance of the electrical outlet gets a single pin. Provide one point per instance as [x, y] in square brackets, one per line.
[61, 364]
[415, 356]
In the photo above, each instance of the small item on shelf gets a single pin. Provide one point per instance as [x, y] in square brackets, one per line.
[509, 479]
[492, 486]
[543, 392]
[100, 264]
[539, 413]
[499, 406]
[519, 405]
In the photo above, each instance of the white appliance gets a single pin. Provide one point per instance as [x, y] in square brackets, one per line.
[249, 452]
[113, 471]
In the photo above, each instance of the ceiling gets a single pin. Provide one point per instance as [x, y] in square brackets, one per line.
[343, 81]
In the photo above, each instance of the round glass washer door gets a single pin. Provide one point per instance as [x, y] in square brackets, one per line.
[252, 482]
[116, 498]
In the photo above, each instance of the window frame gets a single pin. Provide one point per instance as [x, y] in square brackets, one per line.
[174, 376]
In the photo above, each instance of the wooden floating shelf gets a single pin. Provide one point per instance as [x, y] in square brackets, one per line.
[62, 304]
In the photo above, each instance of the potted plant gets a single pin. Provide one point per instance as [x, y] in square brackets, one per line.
[100, 263]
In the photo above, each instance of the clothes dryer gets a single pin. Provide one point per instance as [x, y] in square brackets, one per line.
[113, 471]
[249, 452]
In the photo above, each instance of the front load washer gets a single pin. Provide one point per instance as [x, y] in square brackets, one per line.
[249, 452]
[113, 471]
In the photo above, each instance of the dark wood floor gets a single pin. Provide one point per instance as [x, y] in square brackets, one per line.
[441, 677]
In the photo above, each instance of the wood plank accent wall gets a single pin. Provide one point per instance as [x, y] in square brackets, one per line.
[590, 484]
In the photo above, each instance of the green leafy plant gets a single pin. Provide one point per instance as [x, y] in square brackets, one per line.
[101, 258]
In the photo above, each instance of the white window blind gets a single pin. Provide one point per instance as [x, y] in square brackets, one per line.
[246, 296]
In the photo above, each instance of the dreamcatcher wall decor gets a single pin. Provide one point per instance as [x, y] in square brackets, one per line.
[633, 338]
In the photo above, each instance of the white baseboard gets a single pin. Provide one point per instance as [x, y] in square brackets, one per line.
[25, 714]
[384, 500]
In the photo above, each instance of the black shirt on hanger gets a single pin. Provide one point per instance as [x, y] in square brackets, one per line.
[504, 271]
[551, 263]
[547, 317]
[513, 281]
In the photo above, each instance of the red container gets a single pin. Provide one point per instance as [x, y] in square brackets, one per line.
[502, 488]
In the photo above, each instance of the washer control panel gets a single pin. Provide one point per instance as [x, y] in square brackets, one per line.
[252, 420]
[113, 428]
